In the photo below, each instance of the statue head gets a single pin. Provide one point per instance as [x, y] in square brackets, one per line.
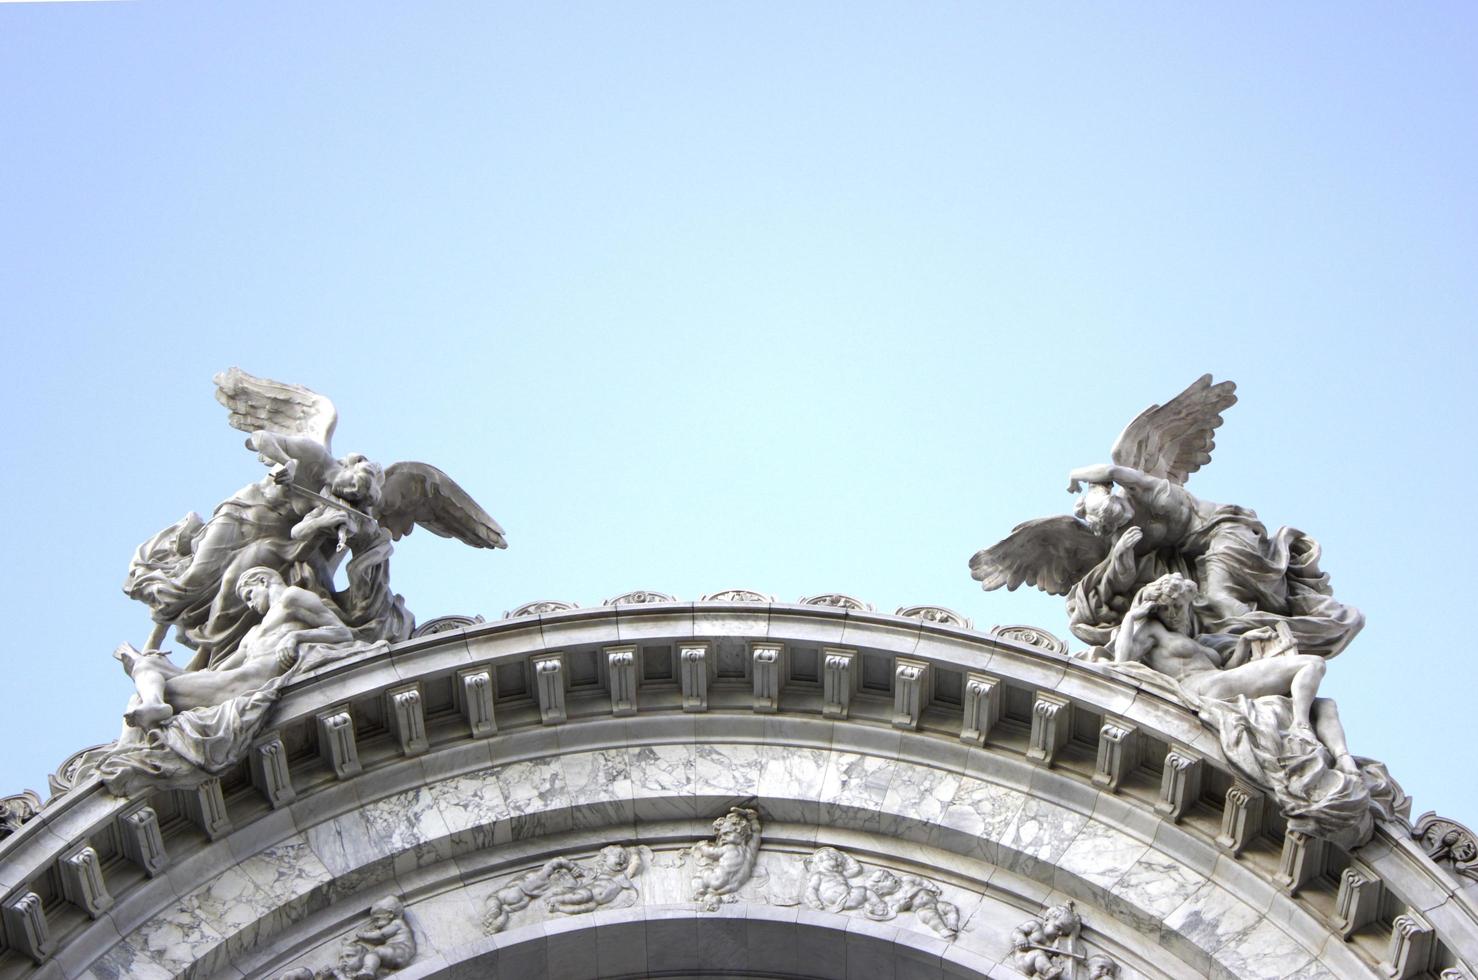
[826, 860]
[386, 909]
[614, 858]
[257, 586]
[1062, 920]
[358, 480]
[1104, 509]
[733, 827]
[883, 882]
[1100, 967]
[1170, 595]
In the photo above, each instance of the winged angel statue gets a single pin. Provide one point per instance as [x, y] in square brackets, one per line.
[1198, 600]
[252, 590]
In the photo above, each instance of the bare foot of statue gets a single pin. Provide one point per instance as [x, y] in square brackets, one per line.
[148, 715]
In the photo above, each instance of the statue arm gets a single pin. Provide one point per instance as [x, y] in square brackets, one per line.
[1125, 476]
[277, 447]
[1129, 644]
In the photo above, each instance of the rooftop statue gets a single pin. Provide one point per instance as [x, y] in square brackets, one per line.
[252, 591]
[1201, 601]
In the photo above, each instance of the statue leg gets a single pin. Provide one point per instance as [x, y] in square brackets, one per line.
[1332, 733]
[1294, 676]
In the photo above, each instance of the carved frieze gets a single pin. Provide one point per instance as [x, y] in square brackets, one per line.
[1051, 947]
[724, 865]
[569, 887]
[837, 882]
[383, 945]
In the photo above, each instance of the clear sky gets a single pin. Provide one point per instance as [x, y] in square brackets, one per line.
[801, 298]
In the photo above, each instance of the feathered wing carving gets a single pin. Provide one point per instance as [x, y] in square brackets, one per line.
[1051, 553]
[1174, 440]
[261, 403]
[419, 493]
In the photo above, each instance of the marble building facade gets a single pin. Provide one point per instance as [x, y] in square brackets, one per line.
[728, 787]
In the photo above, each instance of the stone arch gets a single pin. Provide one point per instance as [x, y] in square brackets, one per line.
[999, 771]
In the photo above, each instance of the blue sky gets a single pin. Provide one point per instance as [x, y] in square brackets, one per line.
[800, 298]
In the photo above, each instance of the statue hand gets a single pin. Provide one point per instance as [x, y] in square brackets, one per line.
[1130, 537]
[1074, 486]
[287, 655]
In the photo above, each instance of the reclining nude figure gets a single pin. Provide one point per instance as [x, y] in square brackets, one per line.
[1157, 632]
[291, 617]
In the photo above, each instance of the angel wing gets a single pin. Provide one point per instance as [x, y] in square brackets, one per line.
[419, 493]
[1174, 440]
[1051, 553]
[261, 403]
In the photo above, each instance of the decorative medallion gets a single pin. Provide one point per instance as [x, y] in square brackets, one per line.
[738, 595]
[16, 810]
[838, 600]
[638, 598]
[540, 608]
[1447, 841]
[934, 614]
[1031, 636]
[79, 766]
[446, 624]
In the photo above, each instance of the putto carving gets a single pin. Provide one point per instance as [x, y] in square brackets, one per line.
[838, 600]
[570, 888]
[1032, 636]
[737, 595]
[446, 624]
[725, 864]
[1200, 601]
[934, 614]
[16, 810]
[638, 598]
[837, 882]
[1051, 948]
[1448, 842]
[540, 608]
[377, 949]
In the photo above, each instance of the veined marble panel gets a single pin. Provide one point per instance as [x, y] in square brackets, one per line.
[474, 809]
[1263, 952]
[1100, 854]
[731, 770]
[662, 779]
[1037, 838]
[854, 790]
[599, 787]
[917, 797]
[983, 812]
[413, 827]
[536, 795]
[796, 777]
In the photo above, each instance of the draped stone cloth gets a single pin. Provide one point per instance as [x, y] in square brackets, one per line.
[1264, 580]
[1313, 796]
[194, 745]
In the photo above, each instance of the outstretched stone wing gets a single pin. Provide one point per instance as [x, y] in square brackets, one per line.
[261, 403]
[419, 493]
[1051, 553]
[1174, 440]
